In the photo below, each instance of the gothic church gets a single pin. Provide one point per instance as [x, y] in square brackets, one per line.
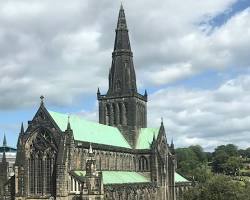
[67, 157]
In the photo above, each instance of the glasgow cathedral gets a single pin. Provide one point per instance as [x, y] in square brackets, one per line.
[67, 157]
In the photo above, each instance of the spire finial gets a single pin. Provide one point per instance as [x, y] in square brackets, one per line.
[98, 91]
[121, 25]
[42, 99]
[68, 125]
[161, 120]
[90, 149]
[4, 141]
[22, 129]
[172, 145]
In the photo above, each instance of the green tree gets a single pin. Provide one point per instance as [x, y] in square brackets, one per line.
[187, 161]
[220, 158]
[209, 156]
[231, 150]
[242, 153]
[247, 152]
[200, 154]
[191, 160]
[202, 174]
[233, 165]
[217, 188]
[185, 154]
[221, 155]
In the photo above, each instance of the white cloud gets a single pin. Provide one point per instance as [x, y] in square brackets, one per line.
[51, 49]
[171, 73]
[64, 50]
[205, 117]
[224, 46]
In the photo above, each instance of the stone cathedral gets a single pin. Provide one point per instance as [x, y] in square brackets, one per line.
[120, 158]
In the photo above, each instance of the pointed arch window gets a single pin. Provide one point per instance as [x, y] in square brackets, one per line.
[108, 114]
[125, 113]
[143, 164]
[41, 164]
[120, 113]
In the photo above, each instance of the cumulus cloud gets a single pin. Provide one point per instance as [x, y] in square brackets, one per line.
[205, 117]
[53, 49]
[223, 47]
[63, 51]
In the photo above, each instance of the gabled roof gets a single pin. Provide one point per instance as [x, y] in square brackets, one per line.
[88, 131]
[146, 136]
[117, 177]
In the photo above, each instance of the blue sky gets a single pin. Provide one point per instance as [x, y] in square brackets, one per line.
[192, 59]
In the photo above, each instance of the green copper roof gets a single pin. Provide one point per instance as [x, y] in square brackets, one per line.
[146, 137]
[179, 178]
[118, 177]
[88, 131]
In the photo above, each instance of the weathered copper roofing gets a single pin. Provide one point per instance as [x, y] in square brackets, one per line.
[179, 178]
[94, 132]
[146, 136]
[123, 177]
[88, 131]
[117, 177]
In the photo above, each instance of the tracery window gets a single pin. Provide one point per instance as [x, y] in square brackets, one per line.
[41, 163]
[40, 174]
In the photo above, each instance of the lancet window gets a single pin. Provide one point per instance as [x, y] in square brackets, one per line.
[143, 164]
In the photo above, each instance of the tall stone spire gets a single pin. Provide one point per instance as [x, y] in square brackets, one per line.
[122, 79]
[4, 141]
[22, 129]
[122, 106]
[21, 134]
[122, 37]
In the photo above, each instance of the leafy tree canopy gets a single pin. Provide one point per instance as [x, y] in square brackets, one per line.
[218, 188]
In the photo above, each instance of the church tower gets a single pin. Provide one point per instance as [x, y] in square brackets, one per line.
[122, 106]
